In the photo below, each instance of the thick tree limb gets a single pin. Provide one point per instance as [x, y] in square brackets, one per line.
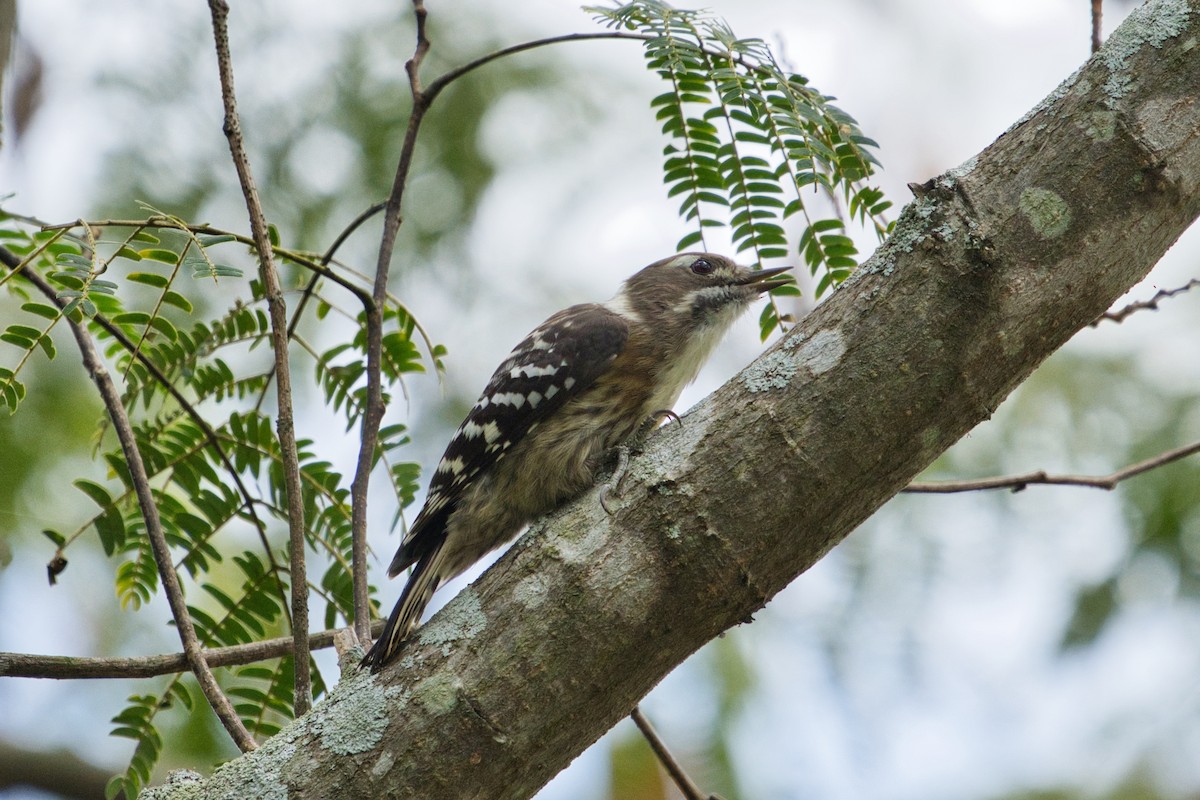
[990, 270]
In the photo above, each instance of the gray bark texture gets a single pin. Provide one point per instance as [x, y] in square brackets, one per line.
[992, 268]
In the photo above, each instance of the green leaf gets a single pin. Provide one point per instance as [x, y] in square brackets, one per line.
[158, 254]
[12, 392]
[73, 259]
[72, 282]
[149, 279]
[132, 318]
[178, 301]
[25, 331]
[41, 310]
[164, 326]
[216, 271]
[16, 339]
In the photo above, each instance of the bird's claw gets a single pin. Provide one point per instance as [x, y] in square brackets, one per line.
[613, 487]
[614, 484]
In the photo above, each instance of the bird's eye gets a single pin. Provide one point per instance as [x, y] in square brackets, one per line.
[702, 266]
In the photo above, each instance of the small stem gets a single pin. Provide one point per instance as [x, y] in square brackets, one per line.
[277, 308]
[688, 788]
[1143, 305]
[442, 81]
[1019, 482]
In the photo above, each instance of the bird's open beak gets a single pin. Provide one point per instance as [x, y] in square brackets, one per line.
[761, 279]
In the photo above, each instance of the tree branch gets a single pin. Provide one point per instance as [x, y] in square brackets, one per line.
[277, 308]
[442, 81]
[1019, 482]
[60, 773]
[320, 268]
[24, 665]
[373, 414]
[996, 266]
[687, 787]
[1141, 305]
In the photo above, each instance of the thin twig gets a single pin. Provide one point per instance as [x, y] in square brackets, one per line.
[167, 222]
[1141, 305]
[277, 308]
[354, 225]
[154, 530]
[442, 81]
[1097, 13]
[686, 786]
[24, 665]
[1018, 482]
[373, 414]
[310, 288]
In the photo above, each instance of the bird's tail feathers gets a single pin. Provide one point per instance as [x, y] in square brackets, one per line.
[423, 582]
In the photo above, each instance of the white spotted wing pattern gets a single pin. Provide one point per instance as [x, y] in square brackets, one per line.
[556, 362]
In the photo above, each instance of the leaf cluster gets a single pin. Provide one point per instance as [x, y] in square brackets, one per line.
[197, 394]
[753, 148]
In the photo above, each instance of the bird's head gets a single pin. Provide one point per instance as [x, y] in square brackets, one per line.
[697, 289]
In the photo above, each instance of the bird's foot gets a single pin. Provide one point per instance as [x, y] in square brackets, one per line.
[615, 484]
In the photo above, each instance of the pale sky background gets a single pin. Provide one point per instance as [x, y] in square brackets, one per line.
[956, 688]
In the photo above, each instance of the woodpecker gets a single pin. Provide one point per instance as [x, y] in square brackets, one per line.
[582, 383]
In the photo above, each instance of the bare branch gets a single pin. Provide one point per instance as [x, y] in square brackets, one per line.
[1097, 16]
[1152, 304]
[154, 530]
[277, 307]
[58, 773]
[24, 665]
[1019, 482]
[373, 414]
[310, 287]
[442, 81]
[686, 785]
